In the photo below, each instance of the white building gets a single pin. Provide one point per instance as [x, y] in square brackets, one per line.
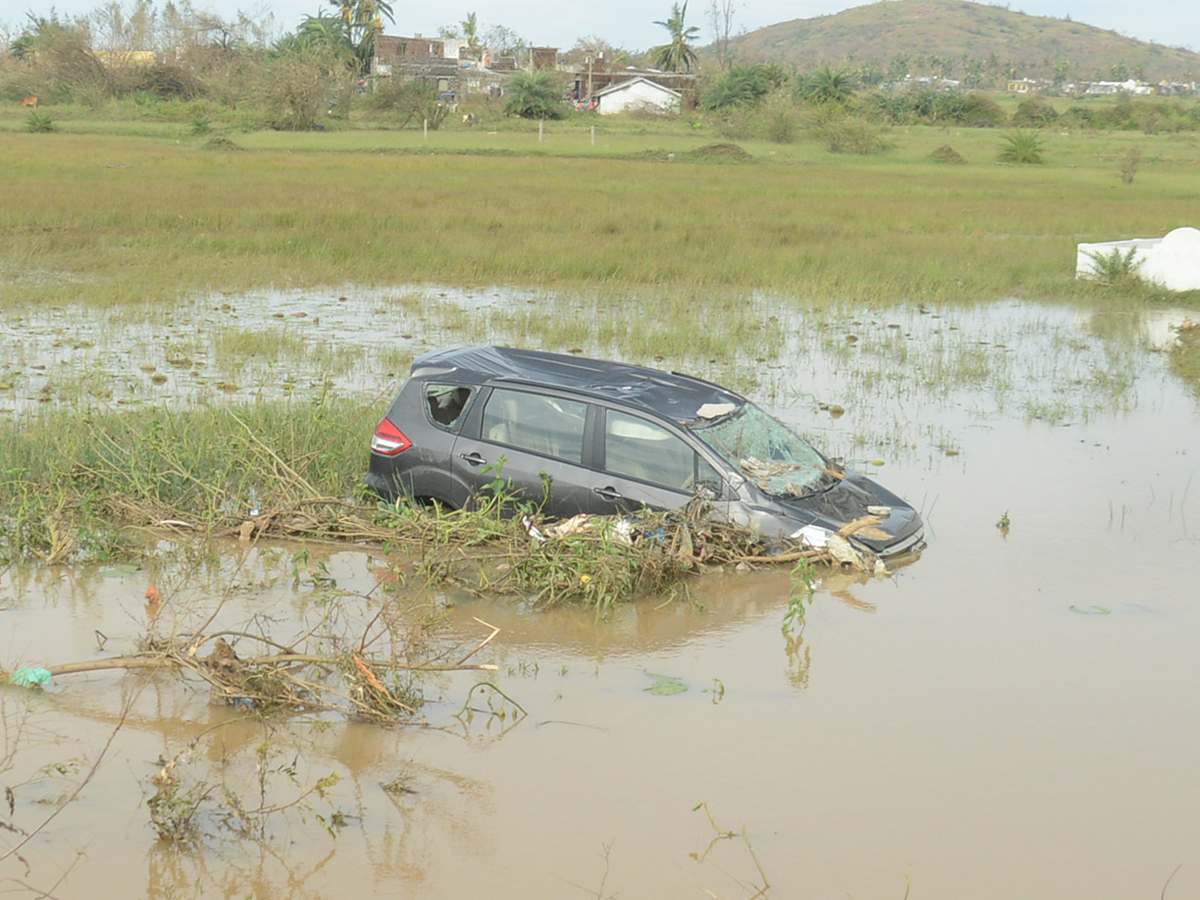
[638, 94]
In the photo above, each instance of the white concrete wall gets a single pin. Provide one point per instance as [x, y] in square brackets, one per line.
[1172, 261]
[639, 95]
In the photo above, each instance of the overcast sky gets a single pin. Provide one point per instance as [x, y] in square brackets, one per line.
[630, 23]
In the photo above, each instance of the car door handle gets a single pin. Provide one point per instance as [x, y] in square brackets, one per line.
[607, 493]
[473, 459]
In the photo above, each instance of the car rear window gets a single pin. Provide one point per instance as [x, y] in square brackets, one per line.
[549, 426]
[446, 403]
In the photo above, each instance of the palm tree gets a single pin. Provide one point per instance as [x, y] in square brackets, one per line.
[470, 27]
[677, 55]
[364, 20]
[320, 32]
[533, 95]
[827, 86]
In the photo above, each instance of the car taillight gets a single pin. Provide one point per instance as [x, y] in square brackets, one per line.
[389, 440]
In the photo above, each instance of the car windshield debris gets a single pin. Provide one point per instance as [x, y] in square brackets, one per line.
[781, 463]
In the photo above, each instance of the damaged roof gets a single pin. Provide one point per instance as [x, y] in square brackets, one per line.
[669, 394]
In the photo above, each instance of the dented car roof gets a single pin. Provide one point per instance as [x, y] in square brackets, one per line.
[672, 395]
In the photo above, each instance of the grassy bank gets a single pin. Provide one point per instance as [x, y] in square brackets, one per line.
[112, 219]
[76, 486]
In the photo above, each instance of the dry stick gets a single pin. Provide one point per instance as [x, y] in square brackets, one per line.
[1163, 894]
[484, 642]
[170, 660]
[754, 856]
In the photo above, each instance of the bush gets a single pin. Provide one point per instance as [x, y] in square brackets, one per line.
[841, 132]
[740, 86]
[39, 123]
[981, 111]
[890, 108]
[166, 82]
[1021, 146]
[410, 102]
[781, 118]
[1034, 112]
[534, 95]
[297, 88]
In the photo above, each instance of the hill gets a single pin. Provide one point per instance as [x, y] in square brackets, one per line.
[954, 38]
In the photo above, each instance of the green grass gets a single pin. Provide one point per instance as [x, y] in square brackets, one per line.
[120, 219]
[72, 481]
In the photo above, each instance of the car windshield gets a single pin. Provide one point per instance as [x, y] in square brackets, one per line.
[781, 463]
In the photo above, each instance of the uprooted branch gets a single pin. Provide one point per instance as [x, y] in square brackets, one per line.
[363, 686]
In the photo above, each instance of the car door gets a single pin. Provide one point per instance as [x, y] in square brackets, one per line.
[533, 442]
[646, 465]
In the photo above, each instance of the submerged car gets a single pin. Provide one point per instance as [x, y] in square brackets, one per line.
[578, 435]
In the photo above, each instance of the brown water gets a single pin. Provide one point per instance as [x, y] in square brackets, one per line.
[1013, 715]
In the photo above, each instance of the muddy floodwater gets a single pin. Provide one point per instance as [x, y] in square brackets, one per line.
[1014, 714]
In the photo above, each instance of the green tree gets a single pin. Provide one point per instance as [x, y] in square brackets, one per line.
[533, 95]
[677, 55]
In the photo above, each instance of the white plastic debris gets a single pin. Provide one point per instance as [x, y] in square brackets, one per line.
[812, 535]
[715, 410]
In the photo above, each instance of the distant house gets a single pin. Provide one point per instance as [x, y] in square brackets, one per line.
[1025, 86]
[638, 94]
[1121, 87]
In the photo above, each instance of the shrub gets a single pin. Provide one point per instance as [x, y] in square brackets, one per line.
[39, 123]
[981, 111]
[166, 82]
[1034, 112]
[1021, 146]
[534, 95]
[740, 86]
[891, 108]
[841, 132]
[1116, 268]
[826, 85]
[297, 88]
[781, 118]
[1129, 164]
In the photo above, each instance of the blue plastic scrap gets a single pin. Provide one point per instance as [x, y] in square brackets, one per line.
[30, 677]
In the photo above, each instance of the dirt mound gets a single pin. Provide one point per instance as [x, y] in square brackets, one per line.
[221, 143]
[721, 151]
[947, 154]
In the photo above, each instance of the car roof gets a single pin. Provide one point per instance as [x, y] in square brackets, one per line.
[668, 394]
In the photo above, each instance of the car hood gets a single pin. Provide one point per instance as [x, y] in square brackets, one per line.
[854, 497]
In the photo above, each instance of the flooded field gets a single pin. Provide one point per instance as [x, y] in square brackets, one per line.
[1011, 715]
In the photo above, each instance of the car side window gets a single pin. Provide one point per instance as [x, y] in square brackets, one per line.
[446, 403]
[549, 426]
[637, 448]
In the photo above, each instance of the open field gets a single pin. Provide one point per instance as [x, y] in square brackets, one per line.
[118, 218]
